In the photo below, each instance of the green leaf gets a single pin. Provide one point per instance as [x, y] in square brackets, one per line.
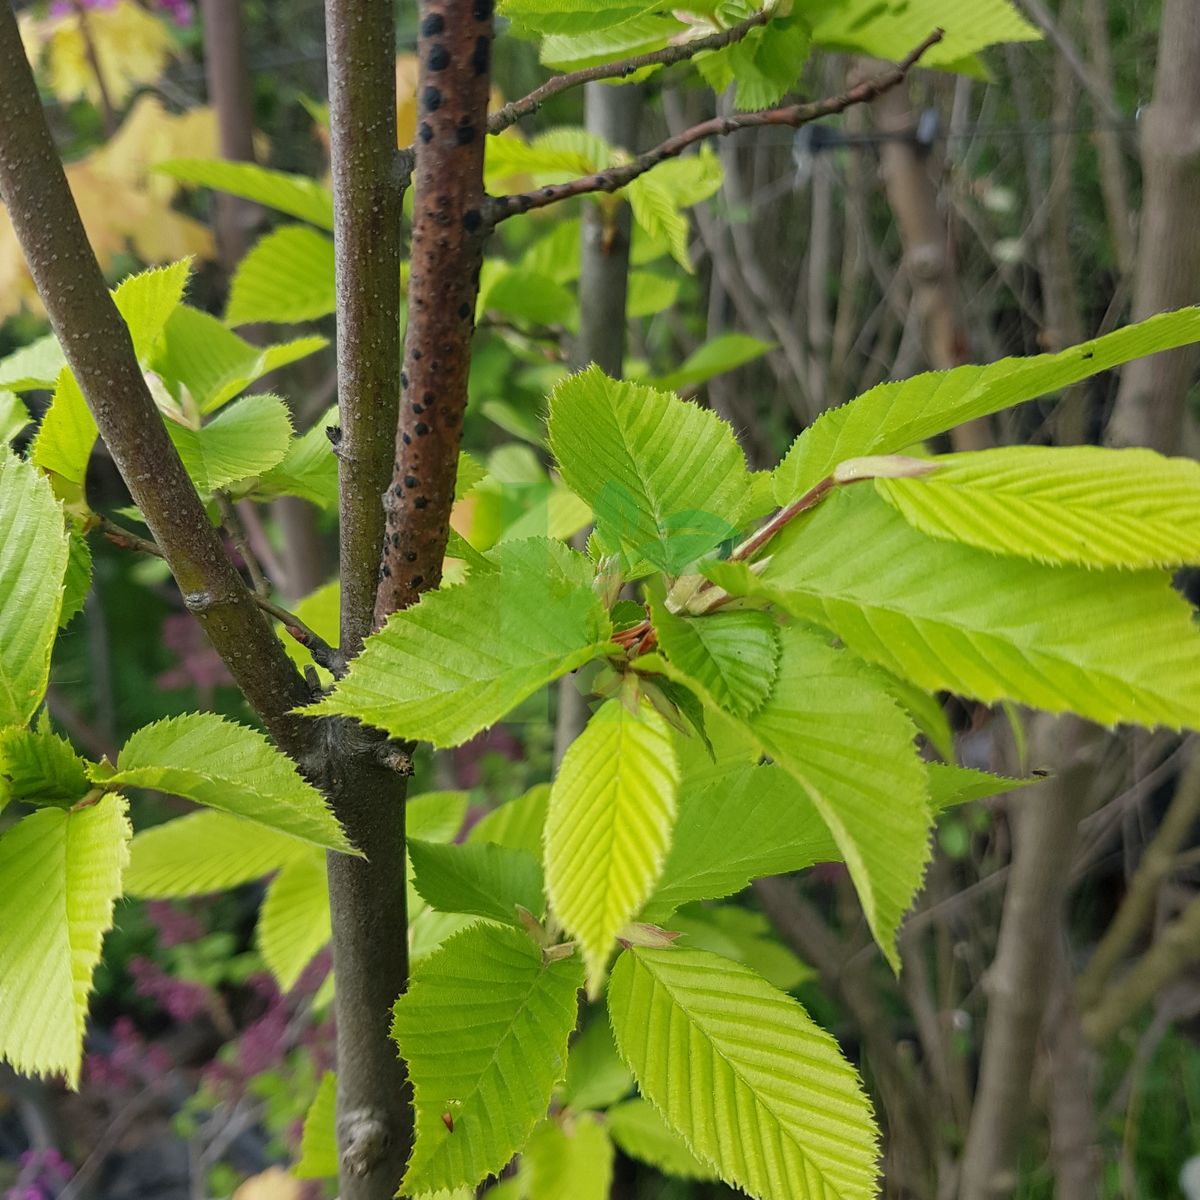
[226, 766]
[733, 657]
[465, 656]
[744, 936]
[33, 563]
[480, 878]
[14, 416]
[524, 295]
[62, 875]
[665, 478]
[296, 195]
[205, 852]
[318, 1141]
[726, 352]
[64, 441]
[832, 726]
[435, 816]
[634, 36]
[1111, 646]
[650, 294]
[1082, 504]
[146, 300]
[35, 366]
[308, 469]
[742, 1073]
[892, 28]
[642, 1134]
[893, 416]
[596, 1076]
[507, 1013]
[572, 16]
[39, 767]
[764, 65]
[213, 363]
[950, 786]
[612, 808]
[293, 925]
[287, 276]
[519, 824]
[569, 1160]
[246, 439]
[746, 823]
[77, 582]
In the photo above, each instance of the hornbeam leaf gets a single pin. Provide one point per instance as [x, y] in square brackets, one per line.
[641, 1133]
[570, 1159]
[226, 766]
[1078, 504]
[1111, 646]
[247, 439]
[742, 825]
[64, 441]
[14, 416]
[33, 564]
[146, 301]
[77, 582]
[665, 478]
[204, 852]
[480, 878]
[293, 924]
[832, 726]
[35, 366]
[296, 195]
[308, 469]
[287, 276]
[573, 16]
[518, 824]
[318, 1142]
[743, 1075]
[612, 807]
[465, 656]
[596, 1077]
[733, 656]
[507, 1013]
[950, 786]
[62, 875]
[39, 767]
[893, 416]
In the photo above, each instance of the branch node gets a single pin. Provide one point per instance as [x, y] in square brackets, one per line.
[364, 1136]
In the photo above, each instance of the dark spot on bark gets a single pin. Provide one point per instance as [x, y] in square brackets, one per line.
[404, 379]
[426, 133]
[406, 439]
[433, 99]
[464, 135]
[416, 356]
[421, 429]
[410, 481]
[411, 556]
[483, 9]
[433, 24]
[439, 58]
[421, 501]
[385, 570]
[428, 398]
[464, 311]
[418, 409]
[395, 541]
[481, 59]
[417, 580]
[397, 490]
[472, 219]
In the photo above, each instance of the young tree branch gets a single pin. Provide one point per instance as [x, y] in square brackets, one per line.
[792, 116]
[679, 52]
[99, 350]
[454, 51]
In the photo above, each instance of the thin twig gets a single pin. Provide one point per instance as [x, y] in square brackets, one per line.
[323, 653]
[792, 116]
[237, 534]
[512, 112]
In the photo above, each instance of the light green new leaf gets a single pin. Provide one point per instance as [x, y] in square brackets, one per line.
[213, 363]
[519, 824]
[596, 1076]
[665, 478]
[64, 442]
[435, 816]
[296, 195]
[205, 852]
[287, 276]
[14, 416]
[763, 65]
[572, 16]
[1079, 504]
[893, 416]
[732, 656]
[318, 1141]
[950, 786]
[62, 875]
[568, 1160]
[725, 352]
[743, 1074]
[1111, 646]
[246, 439]
[479, 878]
[308, 469]
[641, 1133]
[743, 935]
[892, 28]
[746, 823]
[39, 767]
[465, 656]
[146, 301]
[507, 1014]
[634, 36]
[833, 727]
[226, 766]
[77, 582]
[34, 366]
[33, 563]
[293, 924]
[612, 808]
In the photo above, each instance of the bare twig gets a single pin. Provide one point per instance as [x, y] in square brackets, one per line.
[237, 535]
[512, 112]
[792, 116]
